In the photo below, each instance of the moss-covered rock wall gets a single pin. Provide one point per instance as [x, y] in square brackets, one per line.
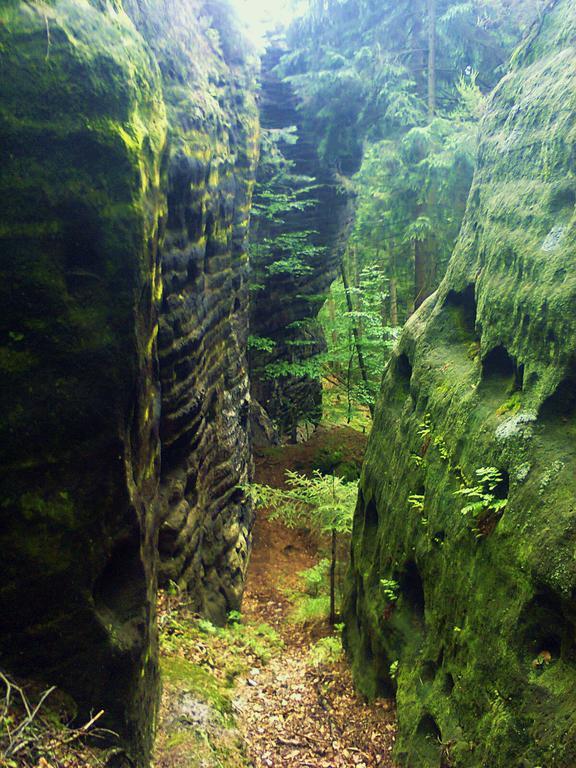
[83, 132]
[463, 587]
[208, 75]
[128, 140]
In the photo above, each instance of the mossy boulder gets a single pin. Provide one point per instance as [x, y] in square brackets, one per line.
[82, 137]
[462, 589]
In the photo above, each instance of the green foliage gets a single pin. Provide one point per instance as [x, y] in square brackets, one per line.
[292, 265]
[412, 193]
[261, 343]
[338, 409]
[286, 253]
[316, 578]
[361, 70]
[179, 631]
[375, 336]
[425, 427]
[310, 610]
[416, 502]
[202, 661]
[325, 505]
[390, 589]
[327, 650]
[311, 603]
[283, 257]
[322, 503]
[261, 640]
[333, 462]
[440, 444]
[276, 248]
[481, 495]
[310, 368]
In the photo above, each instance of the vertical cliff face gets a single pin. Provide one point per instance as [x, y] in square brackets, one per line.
[287, 303]
[463, 575]
[213, 130]
[128, 148]
[82, 136]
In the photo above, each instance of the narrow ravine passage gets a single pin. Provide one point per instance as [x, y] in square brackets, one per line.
[223, 223]
[294, 713]
[254, 693]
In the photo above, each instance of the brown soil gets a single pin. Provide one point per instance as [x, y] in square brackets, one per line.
[292, 713]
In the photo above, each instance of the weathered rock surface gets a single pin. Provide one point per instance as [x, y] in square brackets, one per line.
[285, 309]
[102, 227]
[82, 135]
[214, 135]
[477, 613]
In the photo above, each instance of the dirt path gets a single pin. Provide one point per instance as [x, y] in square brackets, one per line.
[292, 713]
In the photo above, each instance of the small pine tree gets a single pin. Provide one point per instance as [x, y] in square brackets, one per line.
[323, 503]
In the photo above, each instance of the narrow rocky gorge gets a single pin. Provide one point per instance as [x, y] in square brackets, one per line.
[131, 394]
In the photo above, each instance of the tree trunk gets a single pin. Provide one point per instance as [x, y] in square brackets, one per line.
[393, 283]
[333, 579]
[420, 272]
[294, 431]
[336, 367]
[361, 362]
[356, 298]
[431, 59]
[393, 302]
[418, 46]
[332, 316]
[349, 380]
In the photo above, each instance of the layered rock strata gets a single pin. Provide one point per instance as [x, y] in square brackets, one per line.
[129, 140]
[214, 135]
[284, 309]
[463, 576]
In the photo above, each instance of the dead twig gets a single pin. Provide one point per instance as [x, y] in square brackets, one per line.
[15, 746]
[24, 735]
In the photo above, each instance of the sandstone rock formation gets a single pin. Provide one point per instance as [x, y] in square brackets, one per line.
[102, 226]
[470, 614]
[214, 134]
[83, 131]
[285, 309]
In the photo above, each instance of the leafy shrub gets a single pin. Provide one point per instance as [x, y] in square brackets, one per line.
[316, 578]
[328, 650]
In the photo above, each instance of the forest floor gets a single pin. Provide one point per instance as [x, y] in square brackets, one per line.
[272, 689]
[269, 691]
